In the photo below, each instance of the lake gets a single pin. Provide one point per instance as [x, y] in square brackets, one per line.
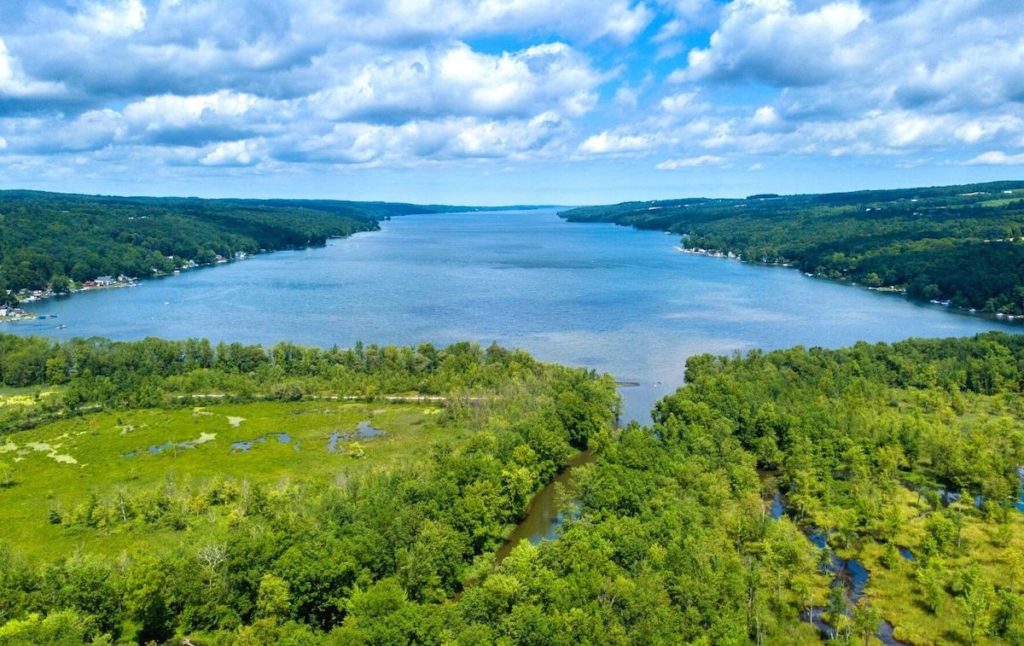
[610, 298]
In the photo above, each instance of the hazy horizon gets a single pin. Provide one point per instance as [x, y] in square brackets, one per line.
[495, 205]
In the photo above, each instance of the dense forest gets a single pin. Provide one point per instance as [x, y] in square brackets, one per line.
[48, 240]
[962, 244]
[863, 494]
[251, 557]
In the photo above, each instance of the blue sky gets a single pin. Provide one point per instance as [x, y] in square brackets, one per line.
[508, 101]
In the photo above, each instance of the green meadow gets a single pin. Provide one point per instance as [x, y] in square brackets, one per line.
[63, 466]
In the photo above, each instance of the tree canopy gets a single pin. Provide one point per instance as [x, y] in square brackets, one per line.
[47, 239]
[962, 244]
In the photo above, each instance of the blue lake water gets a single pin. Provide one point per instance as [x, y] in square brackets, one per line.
[606, 297]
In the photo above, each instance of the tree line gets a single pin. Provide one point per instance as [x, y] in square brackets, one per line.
[962, 244]
[673, 543]
[48, 240]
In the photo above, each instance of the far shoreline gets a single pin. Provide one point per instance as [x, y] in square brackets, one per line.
[38, 296]
[1015, 319]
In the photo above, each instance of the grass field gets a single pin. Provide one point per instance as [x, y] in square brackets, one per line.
[24, 396]
[61, 466]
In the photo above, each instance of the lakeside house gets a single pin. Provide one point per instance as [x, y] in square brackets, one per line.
[109, 281]
[8, 313]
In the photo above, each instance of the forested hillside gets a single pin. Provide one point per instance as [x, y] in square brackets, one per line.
[47, 239]
[868, 493]
[963, 244]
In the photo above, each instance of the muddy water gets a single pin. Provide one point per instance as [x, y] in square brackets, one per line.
[546, 513]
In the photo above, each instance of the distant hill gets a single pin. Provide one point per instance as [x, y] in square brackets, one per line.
[55, 240]
[961, 244]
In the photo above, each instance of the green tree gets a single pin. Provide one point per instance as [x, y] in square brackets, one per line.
[61, 284]
[932, 579]
[865, 620]
[273, 600]
[976, 607]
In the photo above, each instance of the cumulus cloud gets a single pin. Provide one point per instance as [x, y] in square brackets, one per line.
[682, 103]
[200, 119]
[459, 81]
[766, 115]
[771, 41]
[232, 153]
[997, 158]
[117, 18]
[855, 77]
[225, 83]
[90, 131]
[264, 84]
[627, 97]
[195, 46]
[607, 143]
[586, 20]
[867, 51]
[15, 84]
[436, 140]
[691, 162]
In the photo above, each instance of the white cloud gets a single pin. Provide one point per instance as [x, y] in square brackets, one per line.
[608, 143]
[686, 16]
[460, 81]
[853, 77]
[626, 97]
[765, 116]
[90, 131]
[691, 162]
[623, 22]
[858, 59]
[986, 129]
[180, 111]
[200, 119]
[682, 103]
[15, 84]
[406, 82]
[112, 17]
[770, 40]
[232, 153]
[997, 158]
[589, 20]
[436, 140]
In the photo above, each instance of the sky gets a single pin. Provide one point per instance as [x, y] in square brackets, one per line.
[508, 101]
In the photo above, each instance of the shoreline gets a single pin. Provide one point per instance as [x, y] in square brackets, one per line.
[40, 295]
[23, 315]
[28, 315]
[885, 289]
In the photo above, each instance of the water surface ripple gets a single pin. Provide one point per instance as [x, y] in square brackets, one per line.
[597, 295]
